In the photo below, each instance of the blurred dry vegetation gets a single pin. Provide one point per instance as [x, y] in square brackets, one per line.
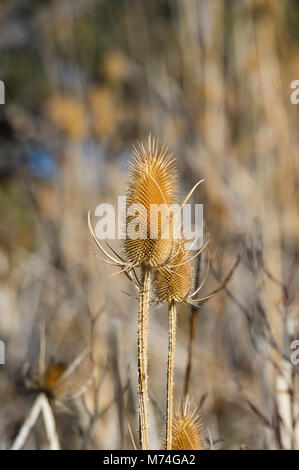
[84, 80]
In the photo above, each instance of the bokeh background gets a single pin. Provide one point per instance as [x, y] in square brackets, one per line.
[85, 79]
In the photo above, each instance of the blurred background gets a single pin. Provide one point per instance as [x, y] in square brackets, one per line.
[85, 79]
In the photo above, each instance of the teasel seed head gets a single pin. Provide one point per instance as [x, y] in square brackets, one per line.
[172, 283]
[152, 180]
[188, 431]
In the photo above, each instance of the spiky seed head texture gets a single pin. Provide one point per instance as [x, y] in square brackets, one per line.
[187, 432]
[152, 180]
[174, 282]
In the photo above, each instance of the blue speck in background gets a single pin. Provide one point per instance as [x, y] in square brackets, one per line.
[41, 163]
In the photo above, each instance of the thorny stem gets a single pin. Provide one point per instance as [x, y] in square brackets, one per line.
[142, 358]
[170, 372]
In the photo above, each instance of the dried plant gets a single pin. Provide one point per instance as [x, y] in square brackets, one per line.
[152, 181]
[173, 284]
[229, 119]
[187, 429]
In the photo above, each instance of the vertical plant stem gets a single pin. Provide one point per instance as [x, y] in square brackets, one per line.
[193, 321]
[142, 358]
[192, 330]
[170, 372]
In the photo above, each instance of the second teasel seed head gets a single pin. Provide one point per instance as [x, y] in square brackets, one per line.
[173, 283]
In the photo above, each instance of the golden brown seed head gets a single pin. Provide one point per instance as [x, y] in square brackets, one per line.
[187, 431]
[174, 282]
[152, 181]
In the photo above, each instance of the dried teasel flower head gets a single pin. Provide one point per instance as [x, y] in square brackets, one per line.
[173, 283]
[188, 431]
[152, 182]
